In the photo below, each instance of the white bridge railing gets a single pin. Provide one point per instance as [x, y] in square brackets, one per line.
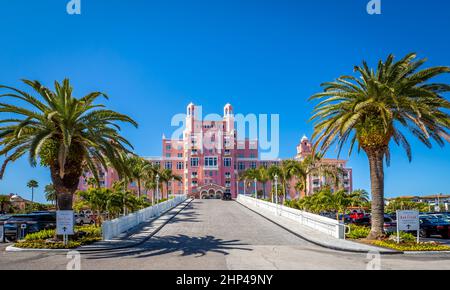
[113, 228]
[322, 224]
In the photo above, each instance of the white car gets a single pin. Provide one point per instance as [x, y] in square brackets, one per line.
[82, 219]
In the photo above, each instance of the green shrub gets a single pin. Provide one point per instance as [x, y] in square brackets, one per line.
[411, 246]
[358, 232]
[42, 235]
[47, 245]
[84, 235]
[404, 237]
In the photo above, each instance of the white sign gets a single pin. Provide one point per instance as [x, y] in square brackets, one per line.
[64, 222]
[408, 220]
[1, 233]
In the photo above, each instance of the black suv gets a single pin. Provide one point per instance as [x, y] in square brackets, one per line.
[29, 223]
[227, 196]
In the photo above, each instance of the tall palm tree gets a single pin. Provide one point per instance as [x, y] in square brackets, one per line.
[378, 108]
[248, 175]
[32, 184]
[263, 176]
[50, 193]
[166, 176]
[312, 166]
[5, 201]
[137, 170]
[67, 134]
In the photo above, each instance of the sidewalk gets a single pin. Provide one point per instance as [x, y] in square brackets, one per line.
[137, 235]
[316, 237]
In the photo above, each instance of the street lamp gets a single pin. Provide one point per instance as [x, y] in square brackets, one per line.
[157, 187]
[256, 190]
[276, 188]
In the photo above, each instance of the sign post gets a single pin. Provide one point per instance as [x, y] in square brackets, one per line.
[64, 224]
[408, 220]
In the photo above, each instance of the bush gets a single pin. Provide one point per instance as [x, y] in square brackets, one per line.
[411, 246]
[42, 235]
[404, 237]
[47, 245]
[84, 235]
[358, 232]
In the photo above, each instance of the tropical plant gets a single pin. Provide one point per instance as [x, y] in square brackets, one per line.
[137, 168]
[406, 204]
[374, 109]
[50, 193]
[32, 184]
[166, 175]
[4, 203]
[68, 134]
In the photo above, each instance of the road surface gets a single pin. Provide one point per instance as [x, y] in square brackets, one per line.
[215, 234]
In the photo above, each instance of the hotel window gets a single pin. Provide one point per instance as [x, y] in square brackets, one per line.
[194, 183]
[210, 173]
[180, 165]
[194, 174]
[227, 183]
[227, 152]
[158, 163]
[168, 165]
[194, 151]
[194, 162]
[210, 161]
[252, 155]
[227, 162]
[168, 147]
[227, 175]
[241, 166]
[253, 165]
[180, 155]
[167, 155]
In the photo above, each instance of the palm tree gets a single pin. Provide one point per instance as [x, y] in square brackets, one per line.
[263, 176]
[4, 201]
[50, 193]
[166, 176]
[137, 170]
[377, 108]
[67, 134]
[32, 184]
[248, 175]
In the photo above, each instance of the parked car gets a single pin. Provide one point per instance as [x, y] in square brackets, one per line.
[83, 219]
[390, 225]
[34, 222]
[357, 214]
[4, 217]
[227, 196]
[434, 226]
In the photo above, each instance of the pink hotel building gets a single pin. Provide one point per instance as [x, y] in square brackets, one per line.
[209, 158]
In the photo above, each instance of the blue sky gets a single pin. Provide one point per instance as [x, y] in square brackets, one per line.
[154, 57]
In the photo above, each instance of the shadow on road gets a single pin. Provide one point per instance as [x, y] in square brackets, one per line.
[188, 246]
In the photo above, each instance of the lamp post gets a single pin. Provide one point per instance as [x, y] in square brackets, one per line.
[157, 187]
[256, 189]
[245, 181]
[276, 188]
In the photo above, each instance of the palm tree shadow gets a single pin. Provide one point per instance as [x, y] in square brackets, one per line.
[188, 246]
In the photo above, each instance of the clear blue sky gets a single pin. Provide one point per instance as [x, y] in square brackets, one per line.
[263, 56]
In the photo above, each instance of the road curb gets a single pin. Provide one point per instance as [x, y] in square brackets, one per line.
[323, 245]
[11, 248]
[16, 249]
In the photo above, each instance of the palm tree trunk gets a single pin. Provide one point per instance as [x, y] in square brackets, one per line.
[377, 187]
[65, 187]
[139, 187]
